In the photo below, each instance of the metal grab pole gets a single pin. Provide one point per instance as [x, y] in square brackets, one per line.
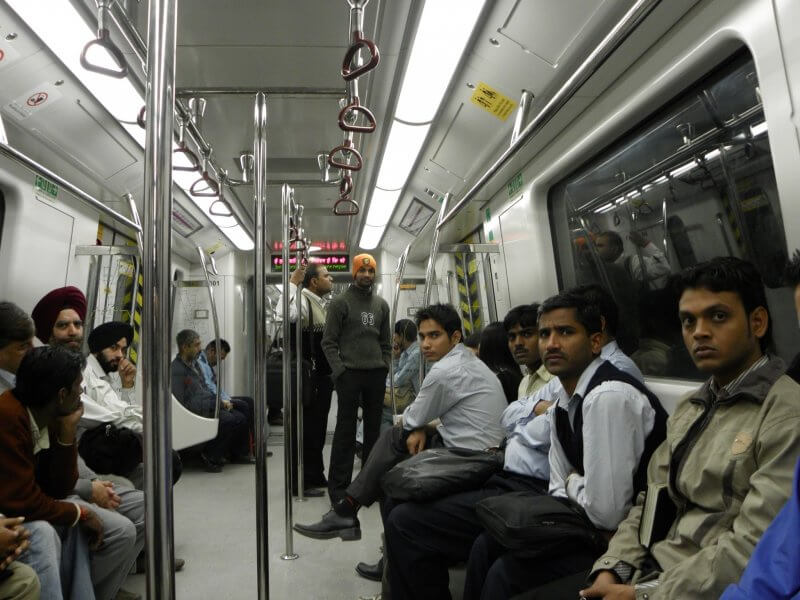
[260, 342]
[298, 343]
[401, 268]
[286, 206]
[215, 322]
[618, 34]
[430, 271]
[156, 255]
[523, 112]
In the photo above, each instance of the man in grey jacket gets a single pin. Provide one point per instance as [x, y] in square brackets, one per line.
[357, 344]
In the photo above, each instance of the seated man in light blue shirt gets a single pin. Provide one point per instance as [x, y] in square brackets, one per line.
[405, 354]
[459, 390]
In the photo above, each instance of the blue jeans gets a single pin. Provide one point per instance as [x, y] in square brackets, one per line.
[60, 558]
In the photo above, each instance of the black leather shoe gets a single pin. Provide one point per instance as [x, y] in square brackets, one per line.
[313, 493]
[332, 525]
[210, 465]
[372, 572]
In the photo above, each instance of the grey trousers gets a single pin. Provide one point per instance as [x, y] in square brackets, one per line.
[22, 585]
[123, 539]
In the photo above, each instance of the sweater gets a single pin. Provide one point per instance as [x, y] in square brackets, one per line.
[357, 332]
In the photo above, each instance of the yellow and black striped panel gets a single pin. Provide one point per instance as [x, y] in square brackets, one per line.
[468, 293]
[136, 321]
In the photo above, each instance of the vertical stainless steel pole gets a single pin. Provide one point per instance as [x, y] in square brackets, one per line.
[523, 114]
[261, 343]
[298, 342]
[156, 325]
[401, 268]
[286, 201]
[430, 271]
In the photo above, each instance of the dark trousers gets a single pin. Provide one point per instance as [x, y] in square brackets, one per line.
[317, 390]
[493, 572]
[232, 430]
[245, 406]
[423, 539]
[389, 450]
[354, 388]
[566, 588]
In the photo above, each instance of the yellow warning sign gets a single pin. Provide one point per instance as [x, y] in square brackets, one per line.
[492, 101]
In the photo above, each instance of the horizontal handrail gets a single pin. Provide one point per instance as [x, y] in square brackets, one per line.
[618, 34]
[34, 166]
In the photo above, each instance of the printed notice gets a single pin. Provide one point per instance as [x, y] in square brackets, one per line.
[492, 101]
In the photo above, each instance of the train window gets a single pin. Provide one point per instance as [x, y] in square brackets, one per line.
[693, 182]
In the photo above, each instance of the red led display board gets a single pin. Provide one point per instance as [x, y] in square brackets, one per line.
[335, 263]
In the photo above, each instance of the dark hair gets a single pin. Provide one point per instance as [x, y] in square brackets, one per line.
[223, 345]
[791, 276]
[444, 314]
[473, 340]
[587, 312]
[15, 324]
[406, 329]
[494, 349]
[312, 272]
[524, 315]
[600, 296]
[186, 337]
[45, 370]
[728, 274]
[614, 238]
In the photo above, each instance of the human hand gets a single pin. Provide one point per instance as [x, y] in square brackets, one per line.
[127, 373]
[68, 425]
[298, 275]
[541, 407]
[227, 405]
[605, 586]
[103, 494]
[416, 442]
[94, 528]
[10, 534]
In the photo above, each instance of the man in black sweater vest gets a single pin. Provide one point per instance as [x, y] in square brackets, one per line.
[357, 344]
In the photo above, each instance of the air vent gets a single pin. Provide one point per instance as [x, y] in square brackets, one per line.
[416, 216]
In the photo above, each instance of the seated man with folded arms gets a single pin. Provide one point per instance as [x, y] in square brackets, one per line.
[189, 387]
[38, 467]
[103, 406]
[17, 580]
[459, 390]
[728, 460]
[208, 360]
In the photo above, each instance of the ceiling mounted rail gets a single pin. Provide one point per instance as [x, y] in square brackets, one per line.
[613, 40]
[269, 91]
[34, 166]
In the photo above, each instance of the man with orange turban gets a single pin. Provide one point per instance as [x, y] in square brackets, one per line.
[357, 344]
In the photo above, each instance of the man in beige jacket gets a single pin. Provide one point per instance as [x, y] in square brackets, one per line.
[728, 459]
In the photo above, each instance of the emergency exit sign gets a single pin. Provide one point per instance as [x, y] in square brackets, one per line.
[44, 188]
[515, 185]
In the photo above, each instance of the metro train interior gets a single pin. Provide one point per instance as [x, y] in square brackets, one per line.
[479, 161]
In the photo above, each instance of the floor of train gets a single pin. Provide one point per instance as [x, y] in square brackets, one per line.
[215, 532]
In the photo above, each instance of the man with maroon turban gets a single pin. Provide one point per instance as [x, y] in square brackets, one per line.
[59, 317]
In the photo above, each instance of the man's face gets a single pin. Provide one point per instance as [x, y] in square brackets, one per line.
[365, 277]
[69, 399]
[323, 282]
[434, 342]
[606, 249]
[397, 345]
[191, 350]
[211, 355]
[720, 336]
[109, 358]
[12, 354]
[68, 330]
[565, 345]
[524, 344]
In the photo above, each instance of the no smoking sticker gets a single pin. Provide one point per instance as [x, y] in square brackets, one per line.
[34, 100]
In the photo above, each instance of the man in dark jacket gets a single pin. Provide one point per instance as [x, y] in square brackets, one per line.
[357, 344]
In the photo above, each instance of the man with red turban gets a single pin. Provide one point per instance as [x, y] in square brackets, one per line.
[59, 317]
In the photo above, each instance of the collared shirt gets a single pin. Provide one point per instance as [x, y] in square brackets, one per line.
[532, 382]
[656, 266]
[617, 419]
[318, 310]
[731, 386]
[466, 396]
[102, 404]
[7, 380]
[209, 376]
[407, 370]
[41, 437]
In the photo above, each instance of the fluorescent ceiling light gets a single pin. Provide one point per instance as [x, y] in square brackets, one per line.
[438, 45]
[402, 150]
[677, 172]
[712, 155]
[381, 206]
[63, 30]
[758, 129]
[371, 236]
[606, 207]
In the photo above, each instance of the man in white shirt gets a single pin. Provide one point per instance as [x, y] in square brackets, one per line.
[605, 424]
[120, 454]
[648, 265]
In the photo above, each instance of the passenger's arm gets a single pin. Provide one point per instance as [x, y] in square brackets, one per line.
[292, 302]
[178, 382]
[706, 574]
[523, 408]
[431, 402]
[406, 374]
[616, 420]
[83, 486]
[330, 338]
[386, 336]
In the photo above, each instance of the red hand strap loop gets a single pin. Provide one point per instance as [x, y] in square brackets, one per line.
[359, 41]
[351, 112]
[347, 150]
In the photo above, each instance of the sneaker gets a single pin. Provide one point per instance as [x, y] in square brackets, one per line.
[332, 525]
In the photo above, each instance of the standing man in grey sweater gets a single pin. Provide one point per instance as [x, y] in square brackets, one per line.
[357, 344]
